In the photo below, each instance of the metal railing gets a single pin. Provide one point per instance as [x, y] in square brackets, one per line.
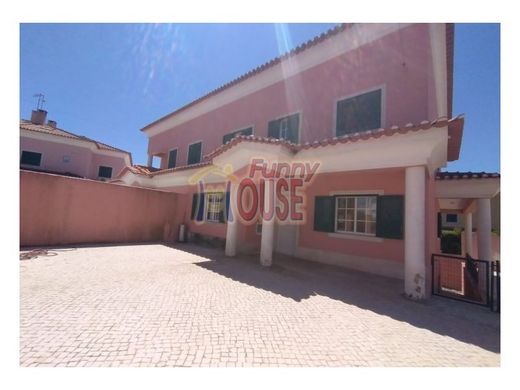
[461, 278]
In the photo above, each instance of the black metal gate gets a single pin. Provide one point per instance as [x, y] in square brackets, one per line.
[461, 278]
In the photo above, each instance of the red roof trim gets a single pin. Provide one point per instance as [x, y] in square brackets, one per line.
[466, 175]
[366, 135]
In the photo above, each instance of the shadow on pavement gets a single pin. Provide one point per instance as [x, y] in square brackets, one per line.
[299, 279]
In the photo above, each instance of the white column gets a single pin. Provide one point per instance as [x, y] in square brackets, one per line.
[484, 229]
[232, 225]
[150, 161]
[468, 234]
[266, 249]
[414, 233]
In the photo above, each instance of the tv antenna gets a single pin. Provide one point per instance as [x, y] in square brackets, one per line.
[41, 100]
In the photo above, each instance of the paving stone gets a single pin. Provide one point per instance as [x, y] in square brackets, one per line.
[154, 305]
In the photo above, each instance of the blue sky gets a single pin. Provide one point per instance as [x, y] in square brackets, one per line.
[106, 81]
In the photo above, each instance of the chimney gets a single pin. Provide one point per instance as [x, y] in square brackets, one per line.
[38, 116]
[52, 123]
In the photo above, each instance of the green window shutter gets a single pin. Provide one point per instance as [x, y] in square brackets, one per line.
[227, 138]
[273, 129]
[324, 210]
[294, 127]
[227, 205]
[439, 225]
[197, 206]
[390, 216]
[248, 131]
[194, 204]
[172, 158]
[31, 158]
[359, 113]
[194, 153]
[105, 172]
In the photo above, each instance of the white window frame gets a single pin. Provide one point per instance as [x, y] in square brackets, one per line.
[358, 93]
[300, 123]
[356, 197]
[211, 214]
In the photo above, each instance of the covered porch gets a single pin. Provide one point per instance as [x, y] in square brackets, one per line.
[469, 196]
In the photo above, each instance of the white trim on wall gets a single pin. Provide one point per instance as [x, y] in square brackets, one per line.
[356, 192]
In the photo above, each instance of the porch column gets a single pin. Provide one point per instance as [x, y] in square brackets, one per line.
[414, 233]
[150, 161]
[484, 229]
[468, 234]
[266, 249]
[232, 223]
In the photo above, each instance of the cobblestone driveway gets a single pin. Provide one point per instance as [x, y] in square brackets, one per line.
[151, 305]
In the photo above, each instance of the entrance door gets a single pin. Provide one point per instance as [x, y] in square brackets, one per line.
[285, 236]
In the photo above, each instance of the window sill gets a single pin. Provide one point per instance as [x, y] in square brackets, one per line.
[353, 236]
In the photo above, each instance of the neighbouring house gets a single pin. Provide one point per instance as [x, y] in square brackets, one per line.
[365, 111]
[45, 147]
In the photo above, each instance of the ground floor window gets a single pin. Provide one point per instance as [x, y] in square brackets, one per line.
[215, 206]
[356, 214]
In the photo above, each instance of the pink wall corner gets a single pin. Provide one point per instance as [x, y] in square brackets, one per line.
[391, 181]
[314, 93]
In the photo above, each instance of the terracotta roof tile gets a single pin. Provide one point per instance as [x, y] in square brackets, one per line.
[465, 175]
[355, 137]
[28, 125]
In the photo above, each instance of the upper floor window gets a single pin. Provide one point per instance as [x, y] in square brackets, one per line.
[195, 153]
[105, 172]
[172, 158]
[31, 158]
[359, 113]
[285, 128]
[229, 136]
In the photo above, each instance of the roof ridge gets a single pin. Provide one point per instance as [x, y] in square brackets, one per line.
[273, 61]
[48, 130]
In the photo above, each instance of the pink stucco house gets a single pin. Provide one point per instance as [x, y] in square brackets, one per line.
[45, 147]
[331, 153]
